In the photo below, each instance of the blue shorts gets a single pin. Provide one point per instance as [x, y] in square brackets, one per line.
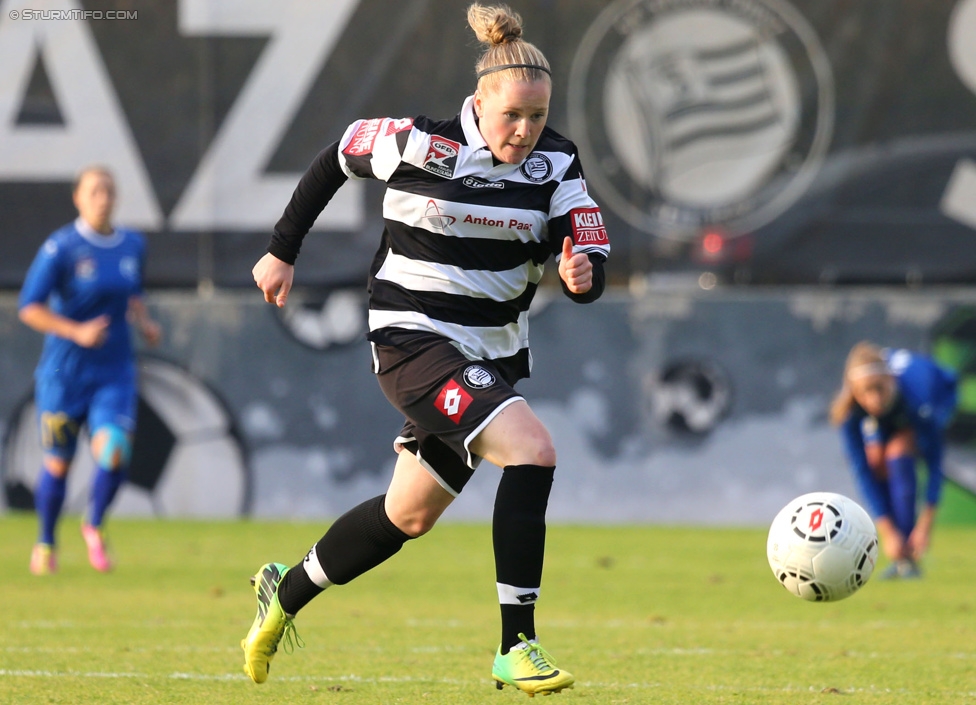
[62, 408]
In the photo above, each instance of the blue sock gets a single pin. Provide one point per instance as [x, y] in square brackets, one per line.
[902, 484]
[104, 488]
[48, 501]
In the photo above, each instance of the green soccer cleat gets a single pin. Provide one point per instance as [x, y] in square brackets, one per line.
[530, 668]
[270, 626]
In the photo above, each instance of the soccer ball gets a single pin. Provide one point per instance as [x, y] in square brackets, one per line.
[822, 547]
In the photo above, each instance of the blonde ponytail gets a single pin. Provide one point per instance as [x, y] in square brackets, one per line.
[507, 55]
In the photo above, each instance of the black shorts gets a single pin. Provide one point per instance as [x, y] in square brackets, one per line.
[446, 398]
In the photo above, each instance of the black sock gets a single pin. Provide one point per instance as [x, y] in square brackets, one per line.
[519, 539]
[296, 590]
[516, 619]
[358, 541]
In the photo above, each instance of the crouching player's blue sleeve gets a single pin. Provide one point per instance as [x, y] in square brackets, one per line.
[871, 488]
[930, 434]
[941, 398]
[930, 442]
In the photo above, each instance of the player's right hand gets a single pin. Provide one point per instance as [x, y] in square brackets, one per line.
[92, 333]
[274, 278]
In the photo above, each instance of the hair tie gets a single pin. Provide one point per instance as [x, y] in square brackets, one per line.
[485, 72]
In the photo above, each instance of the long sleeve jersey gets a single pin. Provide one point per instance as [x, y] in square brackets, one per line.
[465, 238]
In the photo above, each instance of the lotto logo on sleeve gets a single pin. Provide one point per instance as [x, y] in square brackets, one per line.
[364, 137]
[588, 228]
[452, 401]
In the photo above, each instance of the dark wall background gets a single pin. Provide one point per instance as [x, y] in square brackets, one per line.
[902, 121]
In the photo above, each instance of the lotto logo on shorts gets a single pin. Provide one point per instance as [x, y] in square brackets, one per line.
[452, 401]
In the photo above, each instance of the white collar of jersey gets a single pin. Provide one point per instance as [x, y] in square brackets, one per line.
[471, 132]
[94, 237]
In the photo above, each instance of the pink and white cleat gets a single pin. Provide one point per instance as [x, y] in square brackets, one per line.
[97, 555]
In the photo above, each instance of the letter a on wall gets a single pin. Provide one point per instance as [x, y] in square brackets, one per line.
[94, 128]
[230, 188]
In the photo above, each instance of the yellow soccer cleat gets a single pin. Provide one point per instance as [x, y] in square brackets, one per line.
[270, 626]
[43, 560]
[530, 668]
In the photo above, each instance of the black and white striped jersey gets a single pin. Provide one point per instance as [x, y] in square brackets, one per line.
[465, 238]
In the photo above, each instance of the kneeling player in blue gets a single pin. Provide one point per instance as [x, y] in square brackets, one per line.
[893, 408]
[81, 291]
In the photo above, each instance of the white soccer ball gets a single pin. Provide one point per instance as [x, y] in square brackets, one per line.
[822, 547]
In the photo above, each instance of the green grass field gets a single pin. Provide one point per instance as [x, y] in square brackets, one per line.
[638, 614]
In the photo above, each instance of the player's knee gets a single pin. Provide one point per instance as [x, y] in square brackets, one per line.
[55, 466]
[541, 454]
[415, 523]
[545, 456]
[418, 526]
[111, 447]
[530, 445]
[538, 449]
[899, 446]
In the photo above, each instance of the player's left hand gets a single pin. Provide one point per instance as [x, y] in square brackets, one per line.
[151, 332]
[575, 270]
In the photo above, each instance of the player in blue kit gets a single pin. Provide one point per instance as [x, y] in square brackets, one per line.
[893, 408]
[83, 291]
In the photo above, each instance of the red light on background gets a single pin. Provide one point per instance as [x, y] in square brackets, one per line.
[712, 244]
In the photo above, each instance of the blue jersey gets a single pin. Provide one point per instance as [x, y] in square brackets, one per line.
[925, 402]
[81, 274]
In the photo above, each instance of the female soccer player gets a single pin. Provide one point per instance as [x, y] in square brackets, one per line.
[82, 290]
[474, 206]
[893, 407]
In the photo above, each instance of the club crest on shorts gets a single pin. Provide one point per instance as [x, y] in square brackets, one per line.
[477, 377]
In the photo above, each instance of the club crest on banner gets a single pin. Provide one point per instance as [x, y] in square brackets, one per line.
[694, 113]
